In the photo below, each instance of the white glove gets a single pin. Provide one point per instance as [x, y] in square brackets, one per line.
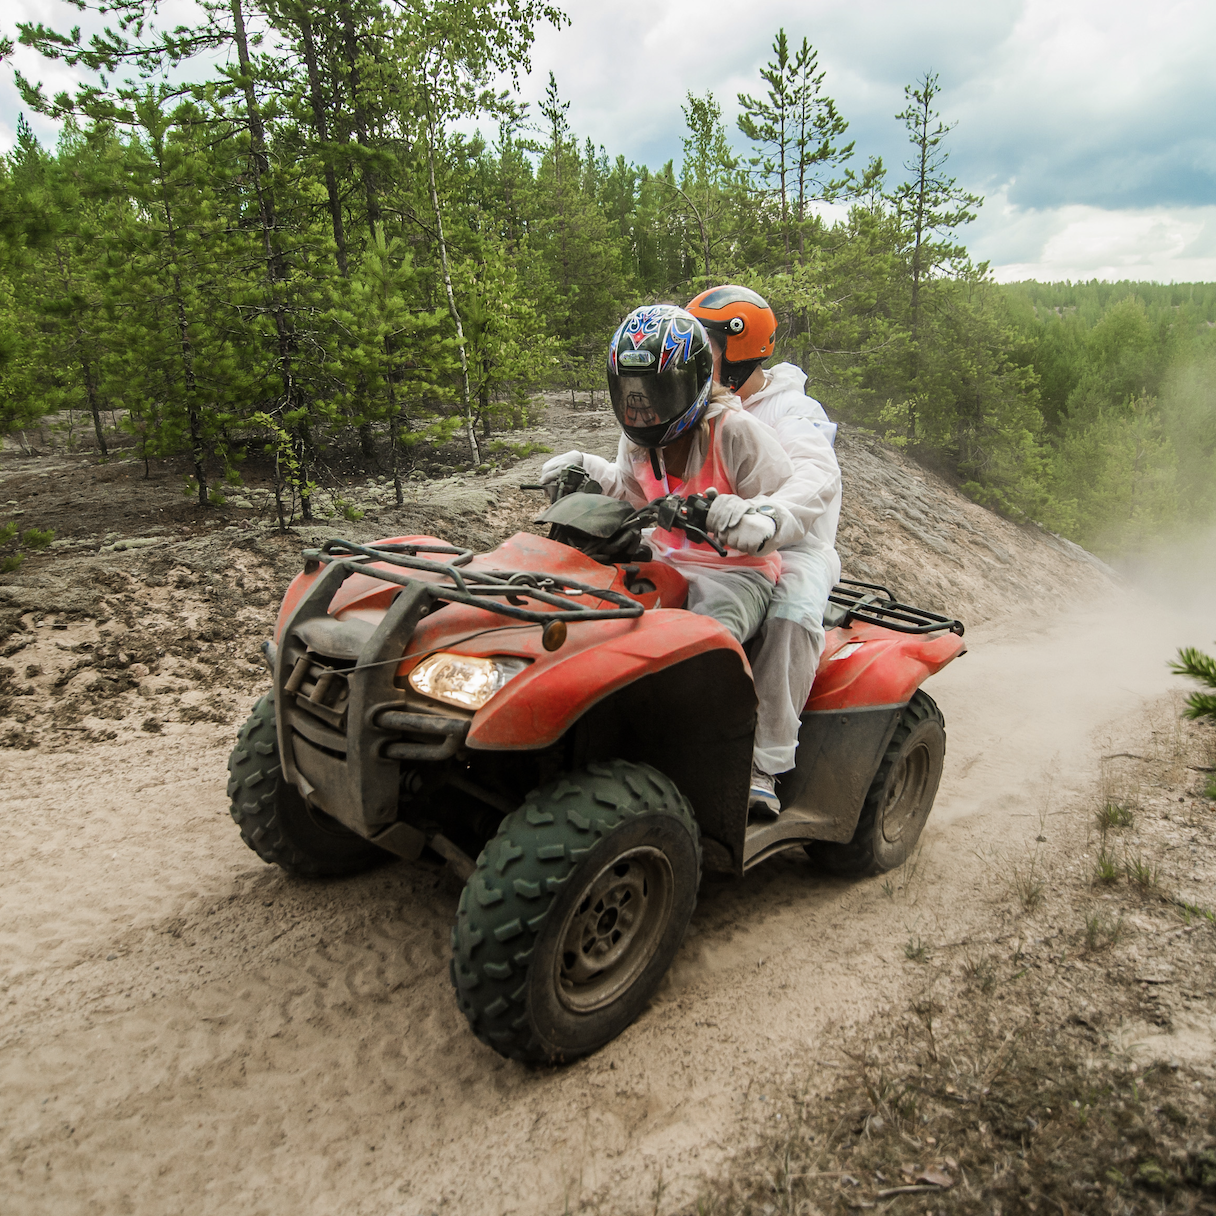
[750, 533]
[725, 512]
[552, 468]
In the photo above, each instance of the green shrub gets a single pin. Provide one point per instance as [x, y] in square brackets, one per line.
[1201, 667]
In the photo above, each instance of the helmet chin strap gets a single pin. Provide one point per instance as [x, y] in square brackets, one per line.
[735, 375]
[654, 464]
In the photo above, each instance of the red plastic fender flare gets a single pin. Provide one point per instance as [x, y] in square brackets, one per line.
[538, 706]
[885, 670]
[296, 590]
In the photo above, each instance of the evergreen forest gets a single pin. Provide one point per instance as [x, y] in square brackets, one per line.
[272, 234]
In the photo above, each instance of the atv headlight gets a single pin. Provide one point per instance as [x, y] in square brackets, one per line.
[461, 679]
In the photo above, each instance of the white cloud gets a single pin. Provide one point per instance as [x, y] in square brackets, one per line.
[1079, 242]
[1101, 103]
[1087, 123]
[56, 76]
[627, 66]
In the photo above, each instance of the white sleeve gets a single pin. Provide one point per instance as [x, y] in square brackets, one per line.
[764, 474]
[816, 485]
[616, 478]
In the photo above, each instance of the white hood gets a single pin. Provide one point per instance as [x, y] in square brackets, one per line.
[784, 396]
[782, 378]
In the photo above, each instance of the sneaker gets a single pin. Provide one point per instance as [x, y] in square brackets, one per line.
[763, 794]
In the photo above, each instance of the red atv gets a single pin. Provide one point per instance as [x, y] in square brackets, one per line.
[530, 715]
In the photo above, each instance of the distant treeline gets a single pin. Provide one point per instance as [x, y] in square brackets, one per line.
[1126, 385]
[301, 250]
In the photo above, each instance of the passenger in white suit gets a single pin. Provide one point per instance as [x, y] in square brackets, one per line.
[742, 328]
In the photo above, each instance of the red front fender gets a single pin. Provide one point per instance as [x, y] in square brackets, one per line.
[538, 706]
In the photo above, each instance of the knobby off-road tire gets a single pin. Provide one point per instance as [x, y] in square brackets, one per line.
[900, 797]
[575, 911]
[275, 821]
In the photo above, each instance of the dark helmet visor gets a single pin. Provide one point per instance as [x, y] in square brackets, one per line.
[646, 401]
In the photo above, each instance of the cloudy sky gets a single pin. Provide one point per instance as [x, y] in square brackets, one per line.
[1088, 125]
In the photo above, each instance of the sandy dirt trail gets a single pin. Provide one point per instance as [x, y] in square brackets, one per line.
[183, 1029]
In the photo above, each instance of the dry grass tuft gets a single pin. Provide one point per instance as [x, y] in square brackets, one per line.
[1106, 867]
[1114, 815]
[1028, 883]
[980, 1113]
[1103, 931]
[1140, 871]
[1015, 1083]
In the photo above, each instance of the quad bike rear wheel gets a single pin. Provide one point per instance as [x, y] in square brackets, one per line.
[275, 820]
[899, 799]
[575, 911]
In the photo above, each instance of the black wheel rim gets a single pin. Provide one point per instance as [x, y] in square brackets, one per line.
[904, 806]
[614, 929]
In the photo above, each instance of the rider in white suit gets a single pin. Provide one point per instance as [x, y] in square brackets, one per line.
[742, 328]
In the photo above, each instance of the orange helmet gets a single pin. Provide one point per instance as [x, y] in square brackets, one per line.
[742, 324]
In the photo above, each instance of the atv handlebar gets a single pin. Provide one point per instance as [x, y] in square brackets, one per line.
[573, 479]
[689, 515]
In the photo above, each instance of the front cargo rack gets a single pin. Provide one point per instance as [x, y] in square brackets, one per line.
[876, 605]
[480, 589]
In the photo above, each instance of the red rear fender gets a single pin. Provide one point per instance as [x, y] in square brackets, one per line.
[886, 668]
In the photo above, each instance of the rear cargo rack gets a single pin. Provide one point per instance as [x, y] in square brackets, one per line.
[876, 605]
[477, 588]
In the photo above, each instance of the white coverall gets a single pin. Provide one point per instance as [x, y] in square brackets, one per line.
[792, 636]
[767, 470]
[760, 471]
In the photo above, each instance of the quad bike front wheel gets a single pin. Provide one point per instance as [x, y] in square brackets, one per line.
[575, 911]
[899, 799]
[275, 820]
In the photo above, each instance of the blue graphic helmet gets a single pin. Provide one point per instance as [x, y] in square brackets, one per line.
[660, 372]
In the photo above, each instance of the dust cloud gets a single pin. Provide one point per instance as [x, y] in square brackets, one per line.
[1178, 572]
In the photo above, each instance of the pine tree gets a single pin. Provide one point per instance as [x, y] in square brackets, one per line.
[710, 184]
[930, 206]
[577, 245]
[509, 349]
[1198, 666]
[306, 246]
[400, 359]
[53, 284]
[794, 129]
